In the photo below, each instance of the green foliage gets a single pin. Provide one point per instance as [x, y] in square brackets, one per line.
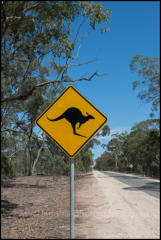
[38, 42]
[60, 166]
[140, 169]
[98, 164]
[148, 69]
[84, 160]
[148, 124]
[7, 168]
[104, 131]
[34, 30]
[141, 148]
[105, 162]
[115, 145]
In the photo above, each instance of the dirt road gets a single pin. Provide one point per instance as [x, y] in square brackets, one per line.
[38, 207]
[104, 209]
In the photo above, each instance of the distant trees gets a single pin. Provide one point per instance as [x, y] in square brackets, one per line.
[115, 145]
[105, 162]
[141, 148]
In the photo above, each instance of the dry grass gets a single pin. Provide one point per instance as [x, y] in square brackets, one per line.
[36, 207]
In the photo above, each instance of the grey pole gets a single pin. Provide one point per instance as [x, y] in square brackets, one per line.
[72, 198]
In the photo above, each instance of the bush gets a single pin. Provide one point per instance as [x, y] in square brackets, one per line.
[60, 166]
[155, 169]
[8, 170]
[140, 169]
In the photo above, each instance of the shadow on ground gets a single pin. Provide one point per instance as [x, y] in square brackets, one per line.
[22, 185]
[7, 207]
[152, 186]
[86, 175]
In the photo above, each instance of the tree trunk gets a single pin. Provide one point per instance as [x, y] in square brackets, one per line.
[37, 158]
[30, 152]
[116, 162]
[30, 162]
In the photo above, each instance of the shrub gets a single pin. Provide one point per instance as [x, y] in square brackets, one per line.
[8, 169]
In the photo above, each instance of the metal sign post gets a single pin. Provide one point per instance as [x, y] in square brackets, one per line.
[72, 198]
[71, 121]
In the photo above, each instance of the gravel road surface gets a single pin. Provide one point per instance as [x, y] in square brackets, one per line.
[107, 207]
[149, 186]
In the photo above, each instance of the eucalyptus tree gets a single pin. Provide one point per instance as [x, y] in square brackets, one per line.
[105, 162]
[38, 42]
[32, 30]
[115, 145]
[36, 36]
[142, 146]
[148, 69]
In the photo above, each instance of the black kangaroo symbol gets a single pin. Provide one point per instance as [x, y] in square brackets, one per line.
[74, 116]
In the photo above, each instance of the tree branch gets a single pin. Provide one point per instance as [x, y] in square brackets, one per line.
[12, 19]
[32, 7]
[80, 64]
[11, 130]
[29, 93]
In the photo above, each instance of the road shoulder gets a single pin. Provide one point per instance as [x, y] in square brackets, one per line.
[105, 210]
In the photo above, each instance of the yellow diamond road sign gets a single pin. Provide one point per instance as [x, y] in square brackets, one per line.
[71, 121]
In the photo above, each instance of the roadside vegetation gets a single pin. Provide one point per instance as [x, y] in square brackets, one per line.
[139, 150]
[39, 41]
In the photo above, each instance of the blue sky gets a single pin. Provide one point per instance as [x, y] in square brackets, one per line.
[134, 29]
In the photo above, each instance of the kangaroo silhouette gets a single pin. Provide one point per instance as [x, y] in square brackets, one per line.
[74, 116]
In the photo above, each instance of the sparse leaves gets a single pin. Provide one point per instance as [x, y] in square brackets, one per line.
[33, 30]
[149, 82]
